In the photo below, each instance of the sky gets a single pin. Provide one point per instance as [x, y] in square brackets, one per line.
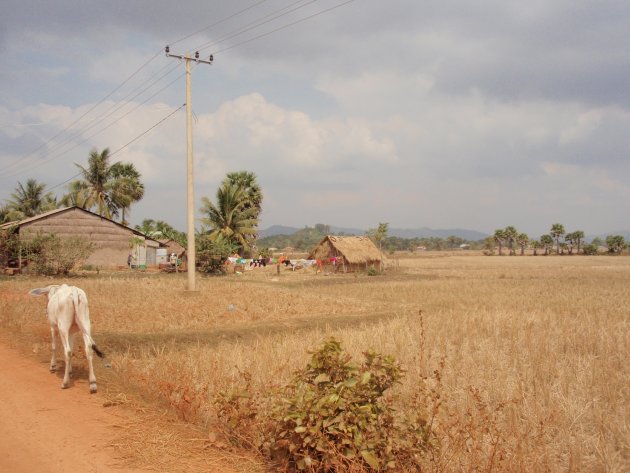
[451, 114]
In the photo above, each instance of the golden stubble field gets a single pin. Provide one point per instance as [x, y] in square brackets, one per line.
[523, 361]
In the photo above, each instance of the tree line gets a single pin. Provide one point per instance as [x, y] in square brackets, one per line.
[229, 224]
[558, 240]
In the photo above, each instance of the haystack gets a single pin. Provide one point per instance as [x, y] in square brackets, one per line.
[349, 253]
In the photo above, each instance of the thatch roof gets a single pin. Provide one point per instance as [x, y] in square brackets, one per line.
[354, 249]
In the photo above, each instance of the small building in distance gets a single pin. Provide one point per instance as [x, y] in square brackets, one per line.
[113, 242]
[348, 253]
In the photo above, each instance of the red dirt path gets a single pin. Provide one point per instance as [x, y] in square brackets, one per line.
[46, 429]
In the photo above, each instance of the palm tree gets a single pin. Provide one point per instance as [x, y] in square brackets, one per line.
[233, 216]
[31, 200]
[109, 188]
[578, 236]
[522, 240]
[557, 230]
[127, 187]
[251, 188]
[499, 237]
[510, 233]
[547, 242]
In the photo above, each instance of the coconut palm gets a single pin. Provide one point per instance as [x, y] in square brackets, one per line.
[31, 200]
[109, 188]
[251, 188]
[233, 216]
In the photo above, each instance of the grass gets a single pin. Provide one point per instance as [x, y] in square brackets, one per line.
[527, 354]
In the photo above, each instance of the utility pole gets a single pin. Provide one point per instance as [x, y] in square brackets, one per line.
[191, 262]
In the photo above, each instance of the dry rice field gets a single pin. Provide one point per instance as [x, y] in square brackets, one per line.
[523, 360]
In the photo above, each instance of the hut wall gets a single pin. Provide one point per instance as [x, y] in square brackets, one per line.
[111, 241]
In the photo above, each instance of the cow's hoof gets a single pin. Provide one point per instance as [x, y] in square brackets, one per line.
[92, 388]
[52, 369]
[65, 385]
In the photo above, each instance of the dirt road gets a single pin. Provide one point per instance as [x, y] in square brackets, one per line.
[44, 428]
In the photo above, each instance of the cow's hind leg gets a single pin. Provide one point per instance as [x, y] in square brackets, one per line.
[67, 352]
[89, 354]
[53, 344]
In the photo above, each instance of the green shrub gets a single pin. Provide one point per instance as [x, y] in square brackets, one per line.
[51, 255]
[333, 415]
[372, 271]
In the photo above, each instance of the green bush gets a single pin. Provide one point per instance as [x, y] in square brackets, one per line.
[333, 416]
[49, 255]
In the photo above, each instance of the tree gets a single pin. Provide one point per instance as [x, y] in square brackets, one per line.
[557, 230]
[499, 238]
[510, 233]
[378, 234]
[546, 242]
[109, 188]
[535, 245]
[31, 200]
[578, 236]
[126, 187]
[615, 243]
[522, 240]
[158, 229]
[233, 216]
[247, 181]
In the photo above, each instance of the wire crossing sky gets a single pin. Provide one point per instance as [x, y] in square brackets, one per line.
[449, 115]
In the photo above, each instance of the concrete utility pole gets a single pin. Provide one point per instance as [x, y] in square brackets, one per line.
[191, 263]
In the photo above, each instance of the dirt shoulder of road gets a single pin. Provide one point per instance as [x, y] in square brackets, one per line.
[45, 428]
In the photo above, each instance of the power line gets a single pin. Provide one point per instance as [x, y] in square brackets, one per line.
[61, 152]
[321, 12]
[127, 145]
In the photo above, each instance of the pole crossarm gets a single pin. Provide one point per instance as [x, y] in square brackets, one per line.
[196, 58]
[191, 263]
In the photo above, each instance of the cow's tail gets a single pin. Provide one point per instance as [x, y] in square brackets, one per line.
[97, 351]
[78, 300]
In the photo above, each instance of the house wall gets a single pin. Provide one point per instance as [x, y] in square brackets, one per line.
[111, 241]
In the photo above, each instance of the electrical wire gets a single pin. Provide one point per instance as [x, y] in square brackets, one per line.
[125, 146]
[321, 12]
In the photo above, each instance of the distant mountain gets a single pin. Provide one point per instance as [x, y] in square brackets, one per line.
[277, 230]
[424, 232]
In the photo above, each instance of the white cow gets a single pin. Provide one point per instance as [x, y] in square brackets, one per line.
[68, 314]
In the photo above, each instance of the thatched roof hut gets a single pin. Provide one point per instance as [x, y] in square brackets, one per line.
[349, 253]
[112, 241]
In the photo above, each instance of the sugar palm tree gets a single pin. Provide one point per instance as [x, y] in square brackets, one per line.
[31, 200]
[557, 230]
[233, 216]
[546, 242]
[499, 238]
[511, 233]
[522, 240]
[126, 187]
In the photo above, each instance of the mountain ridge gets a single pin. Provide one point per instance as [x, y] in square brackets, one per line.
[422, 232]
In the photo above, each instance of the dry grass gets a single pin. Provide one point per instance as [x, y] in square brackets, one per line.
[531, 353]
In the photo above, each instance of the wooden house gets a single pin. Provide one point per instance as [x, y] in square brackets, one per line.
[113, 242]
